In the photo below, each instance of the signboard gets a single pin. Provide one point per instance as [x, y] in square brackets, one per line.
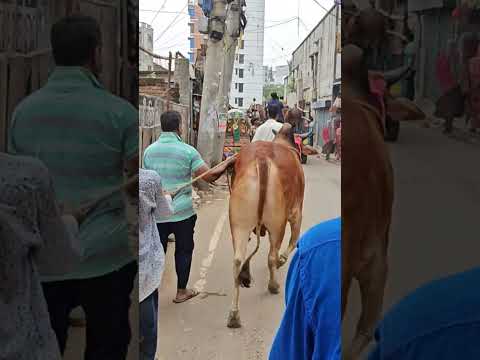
[222, 123]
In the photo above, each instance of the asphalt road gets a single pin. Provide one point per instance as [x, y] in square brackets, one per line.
[196, 330]
[435, 215]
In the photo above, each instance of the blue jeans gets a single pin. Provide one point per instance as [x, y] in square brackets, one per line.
[148, 326]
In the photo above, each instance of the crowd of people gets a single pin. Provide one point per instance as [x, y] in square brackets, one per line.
[170, 164]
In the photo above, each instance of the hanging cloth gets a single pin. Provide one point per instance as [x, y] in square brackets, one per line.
[444, 73]
[207, 7]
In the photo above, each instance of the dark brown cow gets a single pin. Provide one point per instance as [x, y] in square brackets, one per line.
[367, 197]
[267, 191]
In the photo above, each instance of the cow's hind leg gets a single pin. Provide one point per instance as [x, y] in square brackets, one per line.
[295, 226]
[372, 281]
[276, 238]
[240, 241]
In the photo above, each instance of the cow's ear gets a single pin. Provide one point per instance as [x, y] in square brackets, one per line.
[275, 132]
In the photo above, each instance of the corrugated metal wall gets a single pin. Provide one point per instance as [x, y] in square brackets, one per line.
[437, 28]
[26, 60]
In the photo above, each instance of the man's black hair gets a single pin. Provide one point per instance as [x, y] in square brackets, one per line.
[170, 121]
[274, 95]
[273, 111]
[74, 40]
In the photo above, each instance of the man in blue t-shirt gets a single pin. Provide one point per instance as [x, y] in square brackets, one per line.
[310, 329]
[440, 320]
[275, 102]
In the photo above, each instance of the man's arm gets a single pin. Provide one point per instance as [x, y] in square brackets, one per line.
[214, 174]
[295, 335]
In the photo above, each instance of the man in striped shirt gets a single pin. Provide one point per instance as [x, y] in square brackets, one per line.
[86, 137]
[176, 162]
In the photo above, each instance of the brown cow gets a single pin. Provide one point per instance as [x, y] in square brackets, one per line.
[267, 191]
[367, 197]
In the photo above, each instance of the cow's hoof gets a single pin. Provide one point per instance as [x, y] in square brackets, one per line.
[281, 261]
[273, 287]
[234, 320]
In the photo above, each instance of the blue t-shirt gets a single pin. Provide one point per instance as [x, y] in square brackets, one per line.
[440, 320]
[279, 105]
[310, 328]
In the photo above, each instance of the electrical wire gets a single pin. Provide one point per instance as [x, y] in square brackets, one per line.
[172, 23]
[164, 12]
[158, 12]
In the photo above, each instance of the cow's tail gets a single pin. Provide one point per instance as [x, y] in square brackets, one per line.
[262, 173]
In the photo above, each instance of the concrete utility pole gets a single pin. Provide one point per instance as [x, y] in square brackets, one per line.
[231, 37]
[182, 78]
[219, 61]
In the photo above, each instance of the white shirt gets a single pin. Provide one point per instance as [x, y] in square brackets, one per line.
[264, 131]
[153, 204]
[35, 240]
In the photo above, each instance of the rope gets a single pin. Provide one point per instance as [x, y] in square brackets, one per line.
[181, 187]
[93, 203]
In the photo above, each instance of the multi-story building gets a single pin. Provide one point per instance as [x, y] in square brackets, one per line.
[275, 76]
[248, 73]
[280, 73]
[198, 40]
[145, 40]
[315, 74]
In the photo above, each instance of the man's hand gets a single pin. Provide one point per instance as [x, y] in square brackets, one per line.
[215, 174]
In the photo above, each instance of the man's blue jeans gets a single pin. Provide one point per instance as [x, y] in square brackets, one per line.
[148, 326]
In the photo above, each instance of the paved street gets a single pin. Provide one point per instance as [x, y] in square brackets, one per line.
[435, 219]
[196, 330]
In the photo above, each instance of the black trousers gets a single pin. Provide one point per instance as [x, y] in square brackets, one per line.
[106, 303]
[184, 244]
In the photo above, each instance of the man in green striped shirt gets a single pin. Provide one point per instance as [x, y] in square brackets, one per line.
[176, 162]
[87, 138]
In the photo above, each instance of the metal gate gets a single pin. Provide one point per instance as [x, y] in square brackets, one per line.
[322, 116]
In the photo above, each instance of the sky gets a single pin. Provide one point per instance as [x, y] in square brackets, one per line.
[171, 25]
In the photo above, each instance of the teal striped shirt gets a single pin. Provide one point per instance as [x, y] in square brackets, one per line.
[83, 134]
[175, 162]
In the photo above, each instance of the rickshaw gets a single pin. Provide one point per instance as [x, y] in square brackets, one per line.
[237, 132]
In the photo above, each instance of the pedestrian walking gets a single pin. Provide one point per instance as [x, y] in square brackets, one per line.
[310, 328]
[265, 131]
[330, 137]
[154, 203]
[87, 138]
[35, 240]
[338, 142]
[275, 102]
[176, 162]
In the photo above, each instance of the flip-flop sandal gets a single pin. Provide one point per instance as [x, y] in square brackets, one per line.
[192, 295]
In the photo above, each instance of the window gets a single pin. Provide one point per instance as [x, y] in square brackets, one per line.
[236, 101]
[240, 73]
[239, 101]
[236, 86]
[236, 71]
[240, 87]
[241, 59]
[242, 44]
